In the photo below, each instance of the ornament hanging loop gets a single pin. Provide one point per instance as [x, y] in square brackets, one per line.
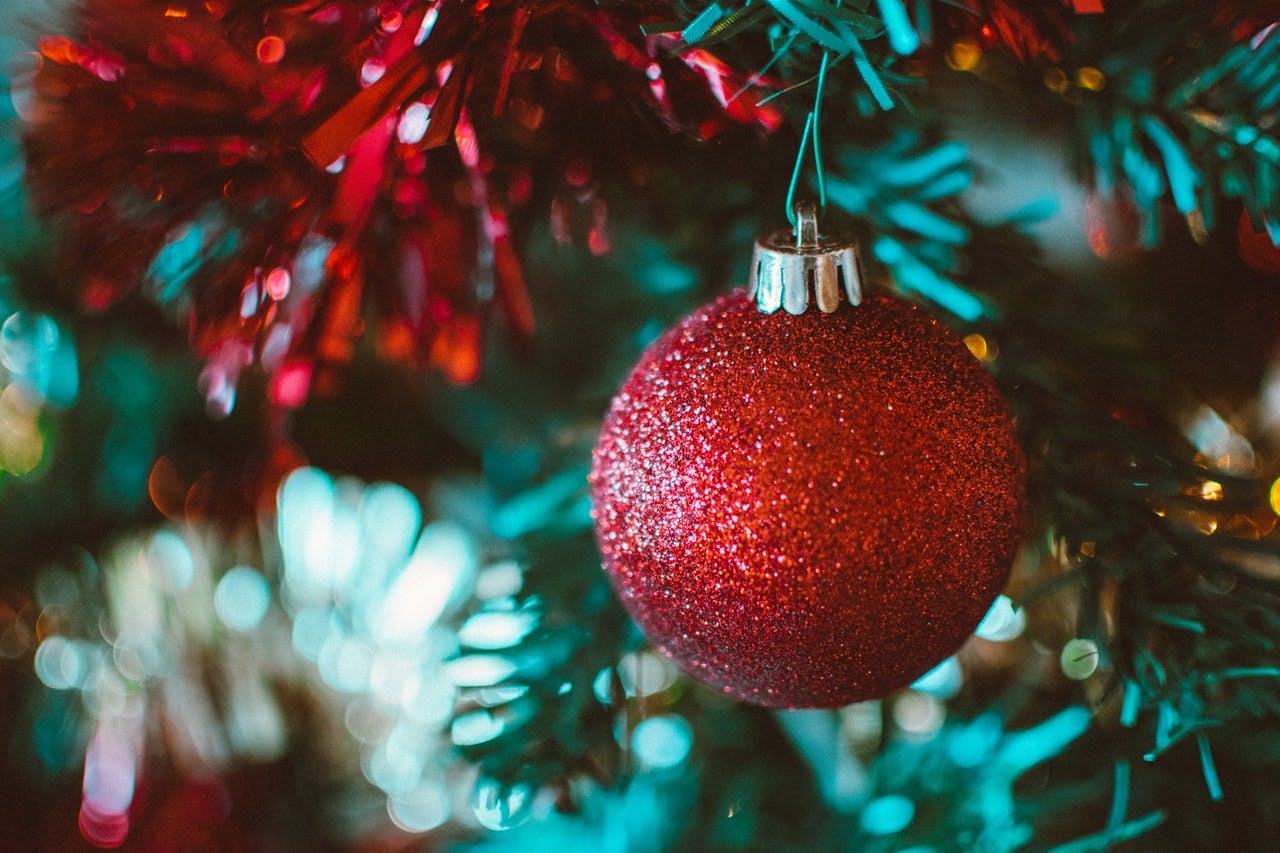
[806, 226]
[790, 265]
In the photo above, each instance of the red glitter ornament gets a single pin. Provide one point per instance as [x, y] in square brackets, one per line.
[806, 511]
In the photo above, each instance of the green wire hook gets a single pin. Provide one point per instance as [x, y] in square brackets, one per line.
[812, 137]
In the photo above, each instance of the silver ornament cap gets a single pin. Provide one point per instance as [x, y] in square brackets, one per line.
[789, 265]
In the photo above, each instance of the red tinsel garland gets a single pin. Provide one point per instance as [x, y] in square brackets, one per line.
[268, 169]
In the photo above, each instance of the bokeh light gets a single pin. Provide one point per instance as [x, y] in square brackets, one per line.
[602, 686]
[373, 607]
[888, 815]
[172, 555]
[479, 670]
[475, 728]
[1003, 622]
[21, 442]
[413, 123]
[964, 55]
[345, 662]
[501, 807]
[26, 340]
[371, 72]
[110, 777]
[662, 742]
[918, 714]
[439, 574]
[490, 630]
[242, 598]
[943, 681]
[499, 580]
[61, 664]
[1079, 659]
[973, 743]
[271, 49]
[645, 673]
[424, 808]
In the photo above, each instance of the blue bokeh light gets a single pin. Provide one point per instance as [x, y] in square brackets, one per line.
[395, 766]
[169, 552]
[26, 341]
[888, 815]
[177, 261]
[661, 742]
[499, 807]
[474, 728]
[1002, 623]
[311, 626]
[60, 663]
[241, 598]
[972, 744]
[389, 518]
[479, 670]
[497, 629]
[422, 809]
[439, 575]
[943, 681]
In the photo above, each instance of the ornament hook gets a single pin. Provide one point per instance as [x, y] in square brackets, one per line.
[806, 225]
[788, 265]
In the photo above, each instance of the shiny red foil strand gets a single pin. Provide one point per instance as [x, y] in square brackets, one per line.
[1256, 248]
[1028, 31]
[808, 511]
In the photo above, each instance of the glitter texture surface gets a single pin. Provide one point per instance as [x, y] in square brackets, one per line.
[808, 511]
